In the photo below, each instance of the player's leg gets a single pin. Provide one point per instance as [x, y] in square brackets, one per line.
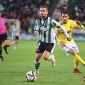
[71, 51]
[1, 58]
[39, 52]
[12, 38]
[1, 40]
[76, 54]
[15, 45]
[7, 42]
[76, 62]
[76, 65]
[47, 55]
[37, 63]
[16, 40]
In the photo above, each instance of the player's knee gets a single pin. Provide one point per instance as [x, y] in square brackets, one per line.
[45, 57]
[71, 51]
[37, 58]
[8, 44]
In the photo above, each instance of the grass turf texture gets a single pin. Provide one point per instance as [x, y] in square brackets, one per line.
[21, 60]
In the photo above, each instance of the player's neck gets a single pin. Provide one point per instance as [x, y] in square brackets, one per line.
[43, 18]
[65, 22]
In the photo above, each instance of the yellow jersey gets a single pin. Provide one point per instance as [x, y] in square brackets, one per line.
[69, 26]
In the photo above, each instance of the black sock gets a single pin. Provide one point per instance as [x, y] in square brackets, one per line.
[6, 46]
[0, 51]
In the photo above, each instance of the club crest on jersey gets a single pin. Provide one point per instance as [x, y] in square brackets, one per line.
[43, 29]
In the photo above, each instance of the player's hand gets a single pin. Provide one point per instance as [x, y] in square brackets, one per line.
[62, 43]
[20, 30]
[69, 38]
[6, 31]
[35, 33]
[78, 23]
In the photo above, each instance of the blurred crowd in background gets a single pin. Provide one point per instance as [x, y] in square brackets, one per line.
[78, 12]
[28, 10]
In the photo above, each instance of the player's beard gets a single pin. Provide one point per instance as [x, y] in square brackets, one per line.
[43, 17]
[65, 22]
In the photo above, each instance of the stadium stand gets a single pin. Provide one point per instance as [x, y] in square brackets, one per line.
[78, 12]
[26, 11]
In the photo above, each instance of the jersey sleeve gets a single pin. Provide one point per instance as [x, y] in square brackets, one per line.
[36, 27]
[56, 24]
[77, 26]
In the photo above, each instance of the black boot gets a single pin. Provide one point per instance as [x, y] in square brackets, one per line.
[5, 48]
[1, 58]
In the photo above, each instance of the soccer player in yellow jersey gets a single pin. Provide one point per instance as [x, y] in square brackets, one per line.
[69, 47]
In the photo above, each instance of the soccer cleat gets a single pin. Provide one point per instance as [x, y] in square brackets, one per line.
[1, 58]
[5, 48]
[76, 70]
[37, 72]
[52, 58]
[84, 64]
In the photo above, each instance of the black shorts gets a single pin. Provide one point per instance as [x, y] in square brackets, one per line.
[3, 37]
[41, 47]
[16, 38]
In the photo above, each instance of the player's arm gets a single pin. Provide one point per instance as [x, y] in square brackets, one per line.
[10, 29]
[5, 29]
[36, 28]
[20, 30]
[79, 25]
[56, 24]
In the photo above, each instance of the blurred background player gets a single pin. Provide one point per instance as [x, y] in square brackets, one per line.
[15, 32]
[45, 29]
[3, 36]
[70, 46]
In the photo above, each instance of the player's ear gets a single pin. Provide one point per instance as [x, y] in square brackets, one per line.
[47, 11]
[68, 17]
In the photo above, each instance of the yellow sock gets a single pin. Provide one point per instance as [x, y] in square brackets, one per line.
[76, 63]
[79, 59]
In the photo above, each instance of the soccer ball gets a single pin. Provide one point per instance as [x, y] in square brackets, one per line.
[31, 76]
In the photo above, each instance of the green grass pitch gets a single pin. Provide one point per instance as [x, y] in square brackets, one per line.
[21, 60]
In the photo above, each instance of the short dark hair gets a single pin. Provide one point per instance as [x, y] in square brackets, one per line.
[65, 12]
[44, 6]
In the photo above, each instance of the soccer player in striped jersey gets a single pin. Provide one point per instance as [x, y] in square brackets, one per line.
[70, 47]
[45, 29]
[15, 31]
